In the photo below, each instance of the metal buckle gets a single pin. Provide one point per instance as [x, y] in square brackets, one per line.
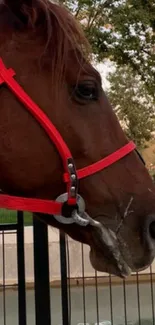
[73, 179]
[77, 217]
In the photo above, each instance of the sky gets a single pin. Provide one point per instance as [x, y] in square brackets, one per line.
[104, 69]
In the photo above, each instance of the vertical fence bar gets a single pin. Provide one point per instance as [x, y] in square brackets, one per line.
[138, 299]
[83, 285]
[21, 270]
[125, 304]
[4, 298]
[69, 279]
[64, 287]
[41, 272]
[111, 300]
[152, 295]
[97, 298]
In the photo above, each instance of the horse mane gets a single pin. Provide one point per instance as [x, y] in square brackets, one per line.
[60, 30]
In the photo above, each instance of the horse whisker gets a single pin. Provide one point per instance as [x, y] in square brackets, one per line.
[126, 213]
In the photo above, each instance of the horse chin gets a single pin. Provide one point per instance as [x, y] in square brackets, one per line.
[110, 254]
[105, 252]
[101, 264]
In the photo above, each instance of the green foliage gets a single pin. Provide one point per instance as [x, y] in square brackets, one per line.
[8, 216]
[132, 104]
[122, 30]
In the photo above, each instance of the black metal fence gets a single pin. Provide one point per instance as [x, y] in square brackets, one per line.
[84, 300]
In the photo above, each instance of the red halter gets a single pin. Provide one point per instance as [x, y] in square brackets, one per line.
[71, 175]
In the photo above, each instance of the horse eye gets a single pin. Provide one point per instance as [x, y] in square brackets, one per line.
[86, 91]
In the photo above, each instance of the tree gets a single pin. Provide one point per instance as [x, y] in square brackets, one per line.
[122, 30]
[133, 105]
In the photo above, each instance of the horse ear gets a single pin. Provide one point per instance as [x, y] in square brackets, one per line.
[23, 9]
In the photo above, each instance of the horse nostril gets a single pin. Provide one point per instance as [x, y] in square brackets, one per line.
[152, 229]
[149, 232]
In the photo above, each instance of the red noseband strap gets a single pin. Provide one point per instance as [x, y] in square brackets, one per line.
[103, 163]
[71, 175]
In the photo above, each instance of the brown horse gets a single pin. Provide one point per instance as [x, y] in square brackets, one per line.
[43, 43]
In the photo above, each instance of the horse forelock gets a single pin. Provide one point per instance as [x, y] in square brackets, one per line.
[58, 28]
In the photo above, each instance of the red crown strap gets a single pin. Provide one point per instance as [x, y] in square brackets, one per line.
[34, 109]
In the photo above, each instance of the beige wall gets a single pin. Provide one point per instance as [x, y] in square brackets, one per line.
[75, 256]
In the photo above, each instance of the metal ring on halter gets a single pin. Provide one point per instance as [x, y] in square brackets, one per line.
[76, 216]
